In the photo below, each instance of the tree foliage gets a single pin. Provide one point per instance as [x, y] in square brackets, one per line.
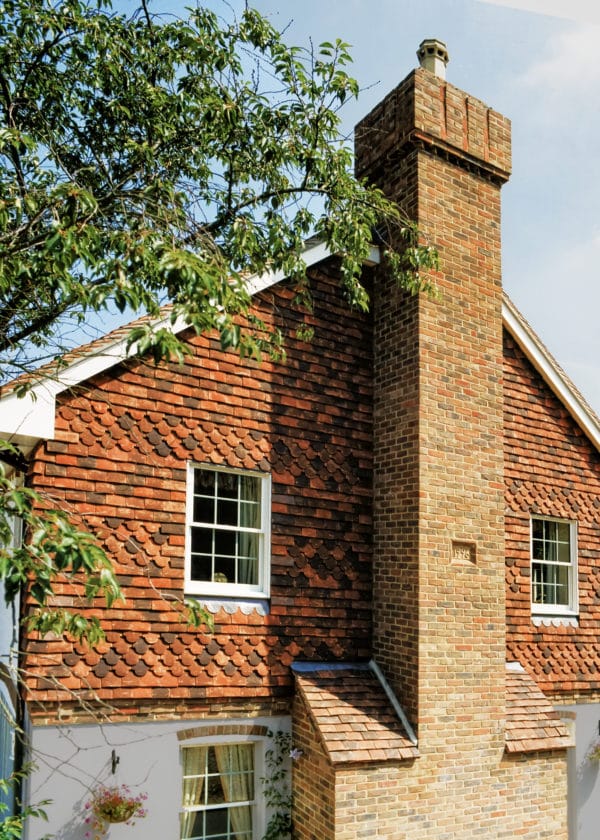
[11, 825]
[145, 159]
[54, 551]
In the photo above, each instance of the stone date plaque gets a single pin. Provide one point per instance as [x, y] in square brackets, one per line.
[463, 553]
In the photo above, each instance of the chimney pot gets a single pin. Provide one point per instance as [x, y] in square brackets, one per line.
[433, 56]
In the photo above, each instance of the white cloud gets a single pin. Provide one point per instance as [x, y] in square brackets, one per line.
[569, 63]
[586, 11]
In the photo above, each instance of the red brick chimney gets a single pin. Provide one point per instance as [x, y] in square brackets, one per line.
[439, 528]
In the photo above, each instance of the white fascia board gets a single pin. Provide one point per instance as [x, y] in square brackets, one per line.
[260, 282]
[545, 365]
[29, 418]
[25, 420]
[313, 254]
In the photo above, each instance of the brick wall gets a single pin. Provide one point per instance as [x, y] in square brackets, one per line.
[118, 464]
[434, 796]
[313, 782]
[518, 798]
[551, 468]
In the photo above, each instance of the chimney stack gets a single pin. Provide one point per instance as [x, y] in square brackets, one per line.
[438, 559]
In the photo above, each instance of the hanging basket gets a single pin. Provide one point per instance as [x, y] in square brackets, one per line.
[110, 805]
[123, 813]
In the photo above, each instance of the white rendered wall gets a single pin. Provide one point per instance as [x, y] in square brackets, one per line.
[584, 775]
[73, 759]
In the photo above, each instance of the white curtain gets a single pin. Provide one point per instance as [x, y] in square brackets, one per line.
[250, 490]
[194, 765]
[236, 766]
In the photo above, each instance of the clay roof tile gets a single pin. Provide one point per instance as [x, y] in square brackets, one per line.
[532, 723]
[355, 718]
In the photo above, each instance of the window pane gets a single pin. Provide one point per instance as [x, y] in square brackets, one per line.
[250, 515]
[201, 567]
[249, 488]
[537, 529]
[248, 549]
[561, 583]
[536, 589]
[202, 540]
[538, 550]
[192, 825]
[241, 822]
[227, 512]
[204, 482]
[224, 569]
[204, 509]
[227, 485]
[215, 793]
[225, 543]
[248, 545]
[204, 496]
[248, 571]
[201, 559]
[217, 824]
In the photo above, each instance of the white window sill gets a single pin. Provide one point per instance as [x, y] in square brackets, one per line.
[542, 620]
[231, 605]
[227, 591]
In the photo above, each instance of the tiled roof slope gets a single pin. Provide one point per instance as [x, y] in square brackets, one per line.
[552, 373]
[531, 722]
[353, 715]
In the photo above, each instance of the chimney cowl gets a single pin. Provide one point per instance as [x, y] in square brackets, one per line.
[433, 56]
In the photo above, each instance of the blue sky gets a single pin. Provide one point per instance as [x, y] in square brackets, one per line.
[537, 62]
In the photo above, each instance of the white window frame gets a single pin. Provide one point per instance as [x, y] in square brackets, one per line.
[231, 590]
[570, 609]
[259, 808]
